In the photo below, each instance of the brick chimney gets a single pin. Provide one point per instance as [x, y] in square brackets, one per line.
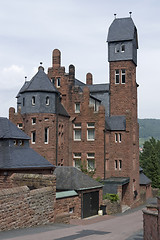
[89, 79]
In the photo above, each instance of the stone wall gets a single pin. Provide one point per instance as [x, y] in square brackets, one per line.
[151, 222]
[21, 207]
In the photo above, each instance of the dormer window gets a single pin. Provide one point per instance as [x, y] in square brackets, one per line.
[117, 48]
[33, 100]
[122, 48]
[47, 101]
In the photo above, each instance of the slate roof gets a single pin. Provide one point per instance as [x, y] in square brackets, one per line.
[8, 130]
[62, 111]
[116, 123]
[40, 82]
[143, 179]
[22, 158]
[121, 29]
[70, 178]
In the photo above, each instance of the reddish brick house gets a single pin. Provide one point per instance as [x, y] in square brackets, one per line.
[93, 126]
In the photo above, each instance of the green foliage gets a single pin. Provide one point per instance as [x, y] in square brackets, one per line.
[84, 169]
[150, 161]
[111, 197]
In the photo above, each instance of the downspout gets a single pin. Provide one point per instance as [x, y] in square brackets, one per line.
[57, 101]
[104, 154]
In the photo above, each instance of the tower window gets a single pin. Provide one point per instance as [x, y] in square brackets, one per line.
[122, 48]
[33, 121]
[77, 132]
[58, 82]
[33, 137]
[117, 48]
[33, 100]
[117, 76]
[120, 164]
[47, 101]
[123, 76]
[46, 135]
[116, 164]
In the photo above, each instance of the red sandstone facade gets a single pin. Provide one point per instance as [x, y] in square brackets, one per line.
[82, 139]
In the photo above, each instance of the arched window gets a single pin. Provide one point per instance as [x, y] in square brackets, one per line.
[33, 100]
[47, 101]
[122, 48]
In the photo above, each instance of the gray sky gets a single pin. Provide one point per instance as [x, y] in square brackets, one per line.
[31, 29]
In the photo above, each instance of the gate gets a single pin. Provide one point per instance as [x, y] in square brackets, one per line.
[90, 204]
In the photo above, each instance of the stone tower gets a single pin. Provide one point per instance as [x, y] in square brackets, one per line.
[122, 56]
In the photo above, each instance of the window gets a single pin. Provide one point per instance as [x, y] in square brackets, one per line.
[90, 161]
[33, 137]
[20, 125]
[77, 160]
[116, 164]
[116, 137]
[53, 80]
[77, 132]
[77, 107]
[47, 101]
[90, 131]
[21, 142]
[46, 135]
[94, 103]
[117, 76]
[122, 48]
[33, 121]
[15, 142]
[117, 48]
[71, 210]
[58, 82]
[33, 100]
[120, 164]
[23, 102]
[46, 119]
[123, 76]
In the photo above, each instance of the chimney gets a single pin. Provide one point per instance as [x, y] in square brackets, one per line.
[56, 58]
[71, 73]
[89, 79]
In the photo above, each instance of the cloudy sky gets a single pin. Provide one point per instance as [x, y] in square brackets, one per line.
[31, 29]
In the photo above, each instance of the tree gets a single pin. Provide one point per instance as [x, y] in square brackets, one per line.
[150, 161]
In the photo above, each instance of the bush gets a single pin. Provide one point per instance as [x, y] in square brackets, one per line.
[111, 197]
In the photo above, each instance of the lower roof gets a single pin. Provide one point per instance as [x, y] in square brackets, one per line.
[117, 180]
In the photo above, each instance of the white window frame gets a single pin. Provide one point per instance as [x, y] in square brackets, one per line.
[76, 157]
[47, 101]
[77, 127]
[120, 164]
[46, 135]
[122, 47]
[117, 74]
[33, 121]
[116, 164]
[33, 101]
[33, 137]
[123, 74]
[20, 125]
[90, 127]
[90, 157]
[119, 137]
[77, 107]
[116, 137]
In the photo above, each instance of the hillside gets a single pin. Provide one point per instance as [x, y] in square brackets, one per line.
[148, 128]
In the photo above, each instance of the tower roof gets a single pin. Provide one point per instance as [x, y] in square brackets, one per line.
[40, 82]
[122, 29]
[9, 130]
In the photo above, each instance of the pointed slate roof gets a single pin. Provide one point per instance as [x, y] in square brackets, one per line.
[122, 29]
[70, 178]
[116, 123]
[10, 130]
[40, 82]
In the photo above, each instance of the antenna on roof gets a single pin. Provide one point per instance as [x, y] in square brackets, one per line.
[25, 78]
[130, 13]
[115, 15]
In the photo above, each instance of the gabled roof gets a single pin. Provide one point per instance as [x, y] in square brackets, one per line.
[22, 158]
[9, 130]
[143, 179]
[40, 82]
[122, 29]
[116, 123]
[70, 178]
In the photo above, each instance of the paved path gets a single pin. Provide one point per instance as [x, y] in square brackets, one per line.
[127, 226]
[115, 228]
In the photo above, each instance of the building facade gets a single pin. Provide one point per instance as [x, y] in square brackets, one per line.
[90, 126]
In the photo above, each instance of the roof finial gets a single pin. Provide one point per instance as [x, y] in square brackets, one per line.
[41, 63]
[25, 78]
[130, 14]
[115, 15]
